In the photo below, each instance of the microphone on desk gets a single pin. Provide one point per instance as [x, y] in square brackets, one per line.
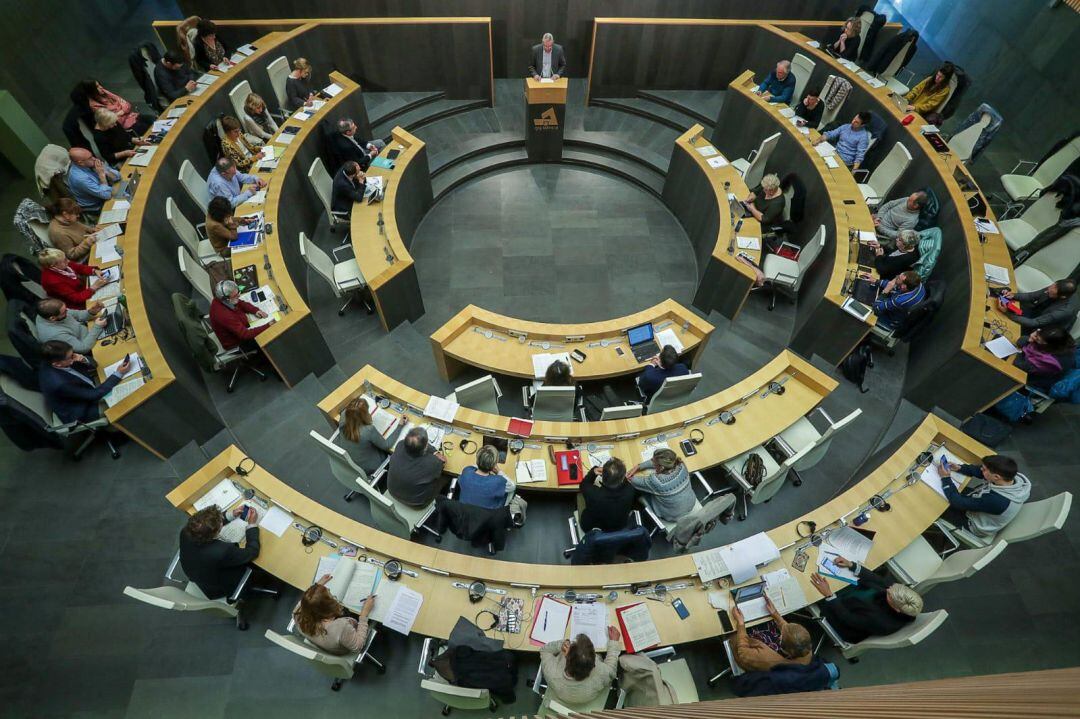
[380, 223]
[389, 255]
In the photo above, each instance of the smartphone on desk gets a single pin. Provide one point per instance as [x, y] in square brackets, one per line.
[680, 608]
[725, 621]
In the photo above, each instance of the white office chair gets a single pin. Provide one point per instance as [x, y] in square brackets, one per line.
[676, 674]
[552, 707]
[771, 481]
[912, 633]
[876, 187]
[894, 64]
[919, 566]
[810, 436]
[556, 404]
[338, 668]
[395, 518]
[802, 67]
[665, 526]
[41, 231]
[449, 695]
[622, 411]
[1022, 188]
[324, 187]
[1041, 214]
[88, 135]
[752, 168]
[481, 394]
[279, 70]
[195, 185]
[828, 115]
[347, 472]
[195, 242]
[196, 276]
[1033, 520]
[787, 275]
[1050, 264]
[962, 143]
[32, 404]
[344, 278]
[237, 95]
[674, 392]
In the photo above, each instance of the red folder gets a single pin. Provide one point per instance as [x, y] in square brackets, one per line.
[563, 462]
[520, 427]
[631, 648]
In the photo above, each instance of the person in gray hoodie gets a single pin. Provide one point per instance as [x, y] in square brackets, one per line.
[56, 322]
[984, 508]
[667, 482]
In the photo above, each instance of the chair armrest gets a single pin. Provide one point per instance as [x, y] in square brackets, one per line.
[240, 586]
[575, 531]
[172, 568]
[661, 652]
[865, 175]
[538, 682]
[636, 514]
[652, 516]
[751, 156]
[381, 472]
[425, 654]
[1021, 163]
[342, 248]
[898, 571]
[341, 216]
[794, 247]
[620, 699]
[742, 484]
[831, 633]
[200, 229]
[291, 625]
[453, 488]
[790, 279]
[910, 75]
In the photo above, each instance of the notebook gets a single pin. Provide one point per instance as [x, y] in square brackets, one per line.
[352, 582]
[637, 626]
[551, 618]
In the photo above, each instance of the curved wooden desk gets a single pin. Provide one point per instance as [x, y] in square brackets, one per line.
[464, 341]
[913, 509]
[758, 419]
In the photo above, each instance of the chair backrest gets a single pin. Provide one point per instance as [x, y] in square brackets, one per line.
[88, 135]
[910, 635]
[622, 411]
[189, 39]
[1043, 212]
[962, 143]
[674, 392]
[319, 261]
[772, 483]
[818, 450]
[480, 394]
[809, 253]
[1059, 258]
[345, 471]
[889, 170]
[789, 194]
[180, 600]
[194, 273]
[195, 185]
[803, 67]
[1038, 518]
[455, 696]
[756, 170]
[828, 115]
[278, 70]
[34, 402]
[554, 403]
[962, 564]
[328, 664]
[237, 95]
[322, 183]
[894, 64]
[183, 229]
[1054, 165]
[41, 231]
[867, 19]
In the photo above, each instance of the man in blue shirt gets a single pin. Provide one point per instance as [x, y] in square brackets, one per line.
[89, 179]
[779, 86]
[228, 182]
[899, 296]
[664, 365]
[851, 141]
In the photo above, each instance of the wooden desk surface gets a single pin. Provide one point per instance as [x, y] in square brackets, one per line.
[540, 92]
[912, 510]
[463, 339]
[758, 419]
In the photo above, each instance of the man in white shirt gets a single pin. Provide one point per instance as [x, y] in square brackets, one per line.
[548, 59]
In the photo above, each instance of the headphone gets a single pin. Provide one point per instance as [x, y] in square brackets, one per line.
[245, 466]
[467, 446]
[515, 446]
[477, 590]
[699, 438]
[806, 528]
[219, 289]
[727, 417]
[447, 447]
[777, 388]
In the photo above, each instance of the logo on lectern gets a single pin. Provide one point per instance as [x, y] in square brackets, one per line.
[547, 120]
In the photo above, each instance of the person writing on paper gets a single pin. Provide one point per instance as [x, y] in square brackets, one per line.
[55, 322]
[779, 86]
[571, 671]
[68, 382]
[899, 296]
[606, 506]
[984, 507]
[810, 109]
[209, 50]
[216, 566]
[754, 655]
[221, 225]
[665, 481]
[328, 625]
[899, 214]
[258, 122]
[1046, 355]
[362, 440]
[298, 91]
[65, 280]
[548, 59]
[1056, 305]
[235, 146]
[348, 188]
[903, 258]
[482, 485]
[349, 146]
[173, 78]
[67, 233]
[226, 181]
[928, 95]
[875, 607]
[229, 318]
[558, 375]
[664, 365]
[415, 472]
[846, 45]
[766, 202]
[89, 179]
[851, 141]
[113, 142]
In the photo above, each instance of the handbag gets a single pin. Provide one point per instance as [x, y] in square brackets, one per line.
[753, 470]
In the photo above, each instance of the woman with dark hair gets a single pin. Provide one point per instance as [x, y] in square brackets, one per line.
[327, 624]
[929, 94]
[209, 50]
[846, 44]
[126, 114]
[571, 671]
[1046, 355]
[367, 447]
[558, 375]
[221, 225]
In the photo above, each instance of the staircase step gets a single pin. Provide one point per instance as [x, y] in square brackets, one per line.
[654, 111]
[618, 143]
[474, 167]
[701, 105]
[384, 106]
[611, 162]
[425, 114]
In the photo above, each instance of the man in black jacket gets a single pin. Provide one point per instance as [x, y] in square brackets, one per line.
[348, 187]
[875, 607]
[1055, 305]
[606, 506]
[547, 59]
[173, 78]
[349, 146]
[216, 567]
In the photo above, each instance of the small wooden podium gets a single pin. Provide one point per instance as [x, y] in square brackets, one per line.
[545, 112]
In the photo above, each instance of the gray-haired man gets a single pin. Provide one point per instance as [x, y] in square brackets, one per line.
[547, 60]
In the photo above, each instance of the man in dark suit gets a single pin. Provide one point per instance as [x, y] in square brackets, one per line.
[216, 567]
[349, 146]
[348, 188]
[68, 383]
[548, 59]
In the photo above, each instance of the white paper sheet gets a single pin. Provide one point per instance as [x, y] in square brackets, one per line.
[246, 50]
[404, 610]
[1002, 347]
[529, 471]
[547, 79]
[813, 43]
[143, 157]
[134, 369]
[640, 627]
[717, 162]
[542, 360]
[224, 494]
[985, 226]
[825, 149]
[996, 274]
[333, 89]
[441, 409]
[831, 163]
[123, 390]
[707, 150]
[175, 112]
[849, 543]
[784, 590]
[551, 618]
[650, 450]
[711, 565]
[787, 112]
[108, 232]
[276, 520]
[666, 337]
[113, 215]
[590, 620]
[748, 243]
[930, 477]
[207, 79]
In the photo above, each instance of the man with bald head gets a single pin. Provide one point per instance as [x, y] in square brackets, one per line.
[89, 179]
[779, 86]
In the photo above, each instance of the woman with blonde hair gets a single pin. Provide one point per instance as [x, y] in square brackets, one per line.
[846, 44]
[113, 142]
[298, 92]
[257, 119]
[66, 280]
[766, 201]
[367, 447]
[235, 146]
[666, 482]
[327, 624]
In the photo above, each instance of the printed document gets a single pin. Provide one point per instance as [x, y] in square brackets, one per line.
[403, 610]
[590, 620]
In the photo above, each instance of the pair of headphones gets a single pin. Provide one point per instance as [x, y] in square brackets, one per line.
[467, 446]
[311, 536]
[697, 436]
[219, 289]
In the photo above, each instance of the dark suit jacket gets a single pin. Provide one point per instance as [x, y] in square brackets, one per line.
[857, 614]
[558, 60]
[345, 192]
[171, 83]
[71, 399]
[217, 567]
[345, 149]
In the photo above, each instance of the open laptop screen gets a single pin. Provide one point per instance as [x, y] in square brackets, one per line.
[639, 334]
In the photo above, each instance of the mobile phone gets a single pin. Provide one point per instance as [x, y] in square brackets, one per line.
[738, 225]
[619, 351]
[577, 355]
[680, 608]
[128, 356]
[725, 621]
[244, 512]
[688, 448]
[849, 202]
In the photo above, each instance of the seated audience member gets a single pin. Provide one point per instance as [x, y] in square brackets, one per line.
[810, 108]
[67, 233]
[899, 296]
[984, 507]
[571, 671]
[558, 375]
[875, 607]
[899, 214]
[216, 566]
[229, 321]
[779, 86]
[349, 146]
[64, 280]
[209, 50]
[113, 142]
[226, 181]
[666, 482]
[1055, 305]
[55, 321]
[298, 92]
[258, 122]
[235, 146]
[367, 447]
[89, 179]
[173, 77]
[606, 506]
[482, 485]
[754, 655]
[851, 141]
[928, 95]
[415, 471]
[68, 382]
[130, 119]
[221, 225]
[348, 188]
[1046, 355]
[328, 625]
[766, 202]
[903, 258]
[846, 44]
[664, 365]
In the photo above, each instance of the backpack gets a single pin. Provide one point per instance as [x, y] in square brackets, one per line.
[855, 365]
[1014, 407]
[986, 429]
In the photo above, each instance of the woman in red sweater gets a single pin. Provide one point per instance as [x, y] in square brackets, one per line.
[63, 279]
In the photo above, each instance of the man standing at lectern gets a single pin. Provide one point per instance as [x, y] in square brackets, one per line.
[548, 59]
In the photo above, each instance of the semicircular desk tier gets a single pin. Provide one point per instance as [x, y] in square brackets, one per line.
[759, 413]
[442, 576]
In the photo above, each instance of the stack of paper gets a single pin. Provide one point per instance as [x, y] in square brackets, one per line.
[850, 543]
[246, 50]
[825, 149]
[748, 243]
[199, 89]
[135, 368]
[717, 162]
[403, 610]
[813, 43]
[175, 113]
[224, 494]
[236, 58]
[996, 274]
[867, 237]
[441, 409]
[711, 565]
[598, 458]
[258, 198]
[784, 590]
[667, 337]
[743, 557]
[143, 157]
[831, 163]
[108, 232]
[787, 112]
[706, 150]
[638, 629]
[123, 390]
[590, 620]
[332, 89]
[352, 581]
[985, 226]
[284, 138]
[530, 470]
[542, 360]
[875, 83]
[162, 126]
[108, 292]
[1002, 347]
[207, 79]
[930, 476]
[117, 213]
[551, 619]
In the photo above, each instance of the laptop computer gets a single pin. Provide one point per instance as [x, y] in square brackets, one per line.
[115, 321]
[642, 341]
[751, 601]
[866, 255]
[865, 291]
